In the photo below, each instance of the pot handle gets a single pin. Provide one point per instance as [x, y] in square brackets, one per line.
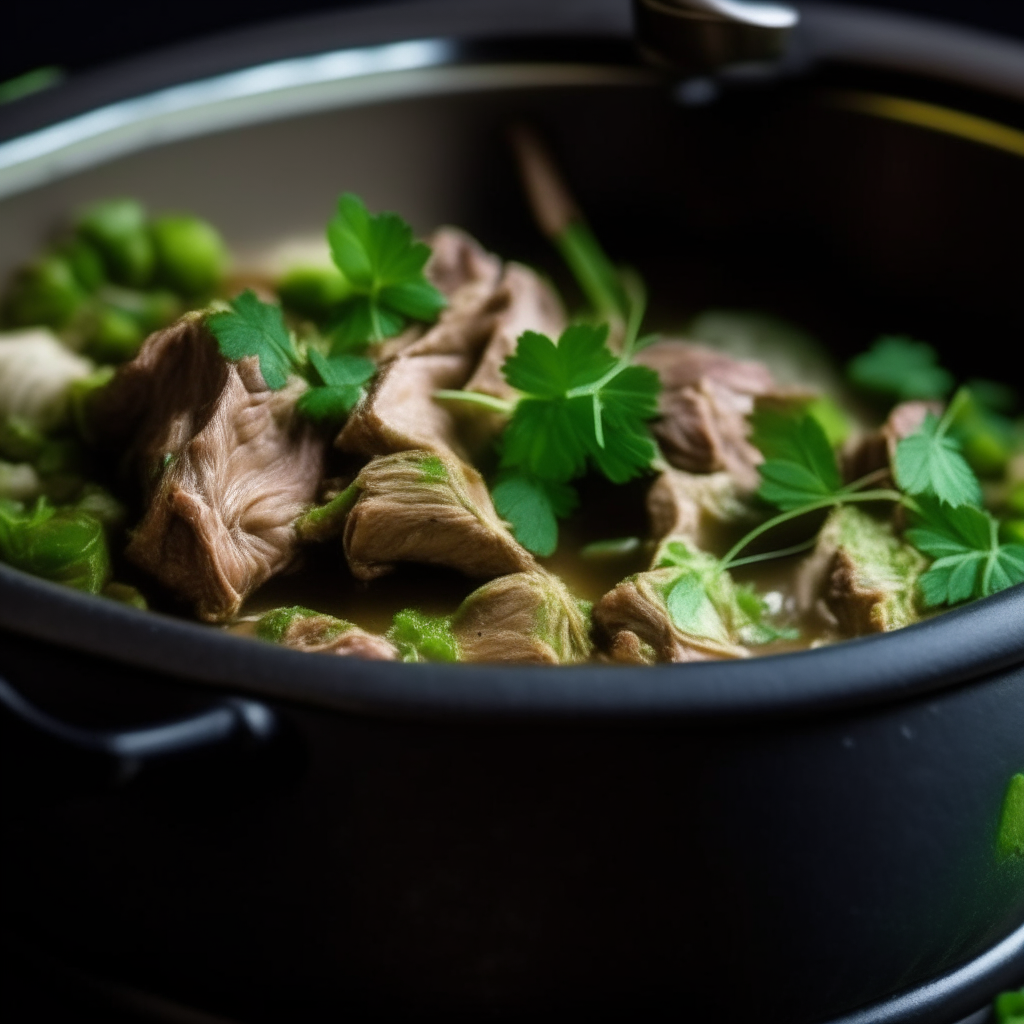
[233, 720]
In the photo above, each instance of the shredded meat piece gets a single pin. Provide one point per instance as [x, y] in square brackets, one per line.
[419, 506]
[399, 413]
[705, 400]
[860, 578]
[527, 618]
[695, 506]
[528, 303]
[224, 463]
[637, 606]
[324, 634]
[876, 450]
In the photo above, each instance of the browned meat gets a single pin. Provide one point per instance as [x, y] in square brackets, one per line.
[697, 506]
[637, 606]
[419, 506]
[314, 633]
[528, 303]
[875, 451]
[224, 463]
[706, 398]
[399, 413]
[527, 618]
[860, 577]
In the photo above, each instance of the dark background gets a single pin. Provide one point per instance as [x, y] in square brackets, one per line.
[85, 33]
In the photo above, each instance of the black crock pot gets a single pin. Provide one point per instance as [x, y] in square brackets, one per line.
[202, 821]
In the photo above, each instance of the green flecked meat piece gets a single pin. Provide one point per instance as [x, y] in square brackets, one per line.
[1010, 841]
[275, 625]
[421, 637]
[869, 575]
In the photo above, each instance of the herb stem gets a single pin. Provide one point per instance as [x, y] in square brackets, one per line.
[477, 398]
[768, 556]
[814, 506]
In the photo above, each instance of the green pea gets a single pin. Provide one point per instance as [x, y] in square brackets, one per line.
[45, 293]
[118, 229]
[85, 261]
[190, 254]
[1012, 531]
[115, 336]
[313, 292]
[160, 307]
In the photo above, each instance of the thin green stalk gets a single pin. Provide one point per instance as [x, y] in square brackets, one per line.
[477, 398]
[769, 556]
[593, 271]
[814, 506]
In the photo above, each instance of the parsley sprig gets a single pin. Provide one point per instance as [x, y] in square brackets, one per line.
[251, 327]
[383, 267]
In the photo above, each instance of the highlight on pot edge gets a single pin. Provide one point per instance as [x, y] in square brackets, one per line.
[370, 453]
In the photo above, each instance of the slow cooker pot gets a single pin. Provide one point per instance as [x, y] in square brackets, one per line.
[202, 823]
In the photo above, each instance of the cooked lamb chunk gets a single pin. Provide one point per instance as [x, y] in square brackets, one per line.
[225, 465]
[639, 606]
[528, 304]
[419, 506]
[696, 506]
[876, 450]
[399, 413]
[315, 633]
[527, 618]
[860, 578]
[705, 400]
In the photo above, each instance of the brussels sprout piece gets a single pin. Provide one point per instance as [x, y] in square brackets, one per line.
[36, 375]
[63, 545]
[190, 254]
[115, 336]
[313, 292]
[46, 293]
[85, 261]
[118, 229]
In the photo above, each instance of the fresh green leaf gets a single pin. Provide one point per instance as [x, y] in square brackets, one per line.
[255, 328]
[342, 380]
[383, 266]
[579, 403]
[532, 508]
[970, 560]
[929, 462]
[901, 369]
[800, 466]
[692, 610]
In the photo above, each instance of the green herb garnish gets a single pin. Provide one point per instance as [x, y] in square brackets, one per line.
[383, 266]
[532, 507]
[255, 328]
[901, 369]
[800, 465]
[341, 389]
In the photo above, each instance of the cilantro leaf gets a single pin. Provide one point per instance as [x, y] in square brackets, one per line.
[579, 403]
[255, 328]
[343, 378]
[902, 369]
[970, 561]
[532, 508]
[929, 462]
[800, 466]
[383, 264]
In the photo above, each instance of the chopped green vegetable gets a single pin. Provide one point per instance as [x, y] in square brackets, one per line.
[800, 466]
[85, 261]
[45, 293]
[255, 328]
[901, 369]
[383, 266]
[63, 545]
[421, 637]
[532, 508]
[970, 560]
[115, 336]
[313, 292]
[342, 379]
[118, 229]
[929, 461]
[190, 254]
[580, 403]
